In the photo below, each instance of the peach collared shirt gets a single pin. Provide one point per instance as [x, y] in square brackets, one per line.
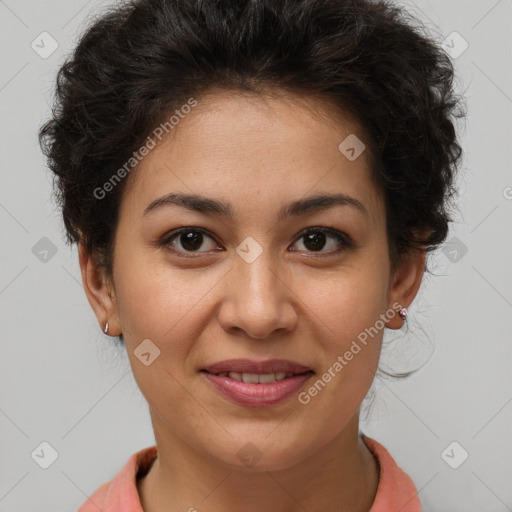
[396, 491]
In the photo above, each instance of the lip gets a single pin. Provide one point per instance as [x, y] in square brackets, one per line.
[259, 367]
[257, 395]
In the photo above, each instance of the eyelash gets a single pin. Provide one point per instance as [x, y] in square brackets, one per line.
[342, 238]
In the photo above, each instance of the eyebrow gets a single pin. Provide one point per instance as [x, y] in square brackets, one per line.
[295, 208]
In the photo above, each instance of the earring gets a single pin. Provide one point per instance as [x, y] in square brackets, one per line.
[106, 328]
[403, 313]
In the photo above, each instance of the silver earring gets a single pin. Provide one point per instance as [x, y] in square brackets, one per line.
[403, 313]
[106, 328]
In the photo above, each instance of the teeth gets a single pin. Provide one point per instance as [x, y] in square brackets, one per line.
[250, 378]
[255, 378]
[266, 378]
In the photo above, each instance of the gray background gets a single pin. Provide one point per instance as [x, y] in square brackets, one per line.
[63, 383]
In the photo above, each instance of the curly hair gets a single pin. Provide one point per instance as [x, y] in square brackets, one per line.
[139, 61]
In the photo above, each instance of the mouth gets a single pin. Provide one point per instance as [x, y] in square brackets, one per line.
[257, 383]
[276, 367]
[257, 378]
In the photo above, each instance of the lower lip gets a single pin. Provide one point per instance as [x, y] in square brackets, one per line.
[257, 395]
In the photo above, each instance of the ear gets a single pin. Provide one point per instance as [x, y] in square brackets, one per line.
[405, 283]
[99, 292]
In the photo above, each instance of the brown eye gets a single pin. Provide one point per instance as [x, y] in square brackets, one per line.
[316, 239]
[189, 240]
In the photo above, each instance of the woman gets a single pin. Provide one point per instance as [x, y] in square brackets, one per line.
[254, 188]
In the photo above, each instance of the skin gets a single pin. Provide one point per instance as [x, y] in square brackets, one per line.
[292, 302]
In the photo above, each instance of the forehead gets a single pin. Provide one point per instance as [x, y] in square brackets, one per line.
[238, 146]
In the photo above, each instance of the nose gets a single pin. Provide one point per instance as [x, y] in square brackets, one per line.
[258, 298]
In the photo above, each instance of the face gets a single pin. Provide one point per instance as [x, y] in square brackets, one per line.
[260, 273]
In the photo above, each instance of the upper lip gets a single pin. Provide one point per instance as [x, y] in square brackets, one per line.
[258, 367]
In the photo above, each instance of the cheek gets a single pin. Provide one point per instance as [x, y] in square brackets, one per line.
[348, 324]
[154, 300]
[345, 303]
[167, 307]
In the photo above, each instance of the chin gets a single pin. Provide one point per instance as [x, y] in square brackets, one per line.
[259, 454]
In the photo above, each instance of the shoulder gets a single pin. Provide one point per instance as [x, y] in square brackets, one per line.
[97, 499]
[121, 492]
[396, 490]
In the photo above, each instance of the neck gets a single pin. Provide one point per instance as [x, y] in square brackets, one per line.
[343, 476]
